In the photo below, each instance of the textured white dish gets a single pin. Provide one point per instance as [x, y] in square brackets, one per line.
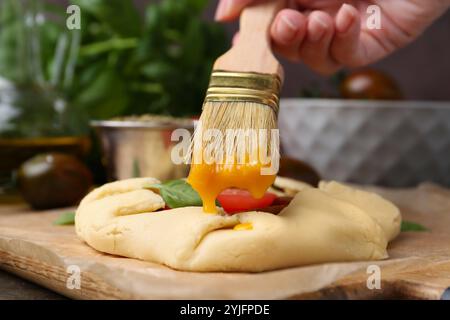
[389, 143]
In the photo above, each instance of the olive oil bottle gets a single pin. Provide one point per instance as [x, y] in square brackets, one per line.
[33, 120]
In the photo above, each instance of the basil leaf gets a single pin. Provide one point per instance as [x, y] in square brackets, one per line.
[178, 193]
[412, 226]
[66, 218]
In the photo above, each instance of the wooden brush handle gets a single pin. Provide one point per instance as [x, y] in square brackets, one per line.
[252, 52]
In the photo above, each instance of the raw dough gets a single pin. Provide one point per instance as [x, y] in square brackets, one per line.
[283, 186]
[326, 224]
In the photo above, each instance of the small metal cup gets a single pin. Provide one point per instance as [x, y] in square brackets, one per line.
[134, 148]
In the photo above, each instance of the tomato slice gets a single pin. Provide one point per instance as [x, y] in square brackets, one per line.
[237, 200]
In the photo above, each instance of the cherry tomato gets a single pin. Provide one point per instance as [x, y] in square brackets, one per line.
[370, 84]
[282, 201]
[236, 200]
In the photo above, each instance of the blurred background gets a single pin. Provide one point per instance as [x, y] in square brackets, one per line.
[83, 106]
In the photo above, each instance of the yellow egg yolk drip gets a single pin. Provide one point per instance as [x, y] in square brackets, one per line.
[243, 226]
[211, 179]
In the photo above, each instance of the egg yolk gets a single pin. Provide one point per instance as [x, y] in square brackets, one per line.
[243, 226]
[211, 179]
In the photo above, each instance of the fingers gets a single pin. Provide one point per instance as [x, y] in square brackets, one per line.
[235, 38]
[346, 47]
[315, 51]
[298, 37]
[322, 42]
[288, 31]
[230, 9]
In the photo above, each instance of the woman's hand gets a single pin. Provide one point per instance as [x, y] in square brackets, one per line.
[329, 34]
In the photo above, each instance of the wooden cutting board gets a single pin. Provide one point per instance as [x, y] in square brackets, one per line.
[418, 267]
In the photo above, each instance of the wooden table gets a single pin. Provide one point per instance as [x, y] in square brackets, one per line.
[15, 288]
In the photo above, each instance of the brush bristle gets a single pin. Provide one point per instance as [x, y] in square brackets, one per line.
[238, 116]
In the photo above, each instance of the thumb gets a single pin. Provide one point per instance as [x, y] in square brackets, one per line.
[230, 9]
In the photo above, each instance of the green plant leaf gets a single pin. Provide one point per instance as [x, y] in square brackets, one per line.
[178, 193]
[108, 45]
[198, 5]
[66, 218]
[158, 70]
[192, 55]
[412, 226]
[120, 62]
[120, 16]
[105, 96]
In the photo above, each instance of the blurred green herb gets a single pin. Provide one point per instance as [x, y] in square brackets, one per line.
[313, 91]
[35, 44]
[121, 62]
[329, 89]
[337, 78]
[412, 226]
[66, 218]
[156, 63]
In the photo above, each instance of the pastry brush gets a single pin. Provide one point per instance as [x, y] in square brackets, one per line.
[245, 82]
[242, 99]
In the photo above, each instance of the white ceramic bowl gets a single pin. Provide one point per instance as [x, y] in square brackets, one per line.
[389, 143]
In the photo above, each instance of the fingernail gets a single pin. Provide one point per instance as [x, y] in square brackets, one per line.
[320, 29]
[223, 9]
[287, 28]
[346, 19]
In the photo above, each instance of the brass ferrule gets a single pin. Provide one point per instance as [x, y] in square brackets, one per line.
[244, 87]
